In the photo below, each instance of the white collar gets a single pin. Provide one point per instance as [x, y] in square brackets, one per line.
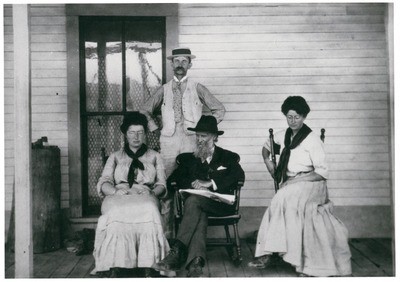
[210, 157]
[180, 81]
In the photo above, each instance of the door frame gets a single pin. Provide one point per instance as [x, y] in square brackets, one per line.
[73, 12]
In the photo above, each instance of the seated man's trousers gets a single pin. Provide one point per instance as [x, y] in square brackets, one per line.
[193, 228]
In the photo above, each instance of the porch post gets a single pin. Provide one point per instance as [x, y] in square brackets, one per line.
[22, 140]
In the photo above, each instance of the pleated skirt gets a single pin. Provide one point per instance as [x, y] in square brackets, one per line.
[300, 226]
[129, 233]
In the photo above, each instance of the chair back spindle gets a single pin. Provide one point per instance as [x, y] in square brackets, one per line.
[273, 156]
[322, 135]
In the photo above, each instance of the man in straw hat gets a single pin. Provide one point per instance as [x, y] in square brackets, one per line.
[208, 168]
[181, 101]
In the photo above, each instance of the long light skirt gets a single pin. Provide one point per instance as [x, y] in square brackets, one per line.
[129, 233]
[300, 226]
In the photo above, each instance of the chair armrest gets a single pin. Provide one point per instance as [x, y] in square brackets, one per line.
[177, 198]
[240, 183]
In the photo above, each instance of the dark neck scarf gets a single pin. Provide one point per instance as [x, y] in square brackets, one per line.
[285, 155]
[135, 161]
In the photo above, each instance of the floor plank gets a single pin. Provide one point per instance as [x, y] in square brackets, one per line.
[365, 266]
[43, 267]
[370, 258]
[231, 269]
[87, 275]
[385, 242]
[248, 251]
[9, 259]
[10, 271]
[82, 267]
[380, 257]
[67, 265]
[215, 264]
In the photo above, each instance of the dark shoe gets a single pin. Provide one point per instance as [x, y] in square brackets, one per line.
[149, 273]
[175, 258]
[196, 268]
[114, 273]
[303, 275]
[260, 262]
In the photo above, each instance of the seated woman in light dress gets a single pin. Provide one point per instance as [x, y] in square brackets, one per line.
[299, 224]
[130, 232]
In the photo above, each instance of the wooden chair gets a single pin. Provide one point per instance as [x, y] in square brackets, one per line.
[274, 148]
[233, 246]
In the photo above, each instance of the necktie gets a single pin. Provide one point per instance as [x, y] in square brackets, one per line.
[178, 102]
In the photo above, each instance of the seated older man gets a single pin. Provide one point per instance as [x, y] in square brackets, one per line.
[208, 168]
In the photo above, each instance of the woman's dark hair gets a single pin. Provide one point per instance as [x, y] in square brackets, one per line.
[133, 118]
[295, 103]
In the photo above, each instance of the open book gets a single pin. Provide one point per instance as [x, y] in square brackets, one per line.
[224, 198]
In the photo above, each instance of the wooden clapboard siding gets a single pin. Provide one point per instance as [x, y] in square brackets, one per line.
[252, 56]
[49, 81]
[8, 106]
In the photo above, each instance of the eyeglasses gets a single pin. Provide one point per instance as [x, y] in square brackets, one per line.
[135, 133]
[296, 118]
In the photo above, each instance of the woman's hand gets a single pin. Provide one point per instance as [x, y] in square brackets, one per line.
[158, 190]
[121, 191]
[310, 176]
[144, 192]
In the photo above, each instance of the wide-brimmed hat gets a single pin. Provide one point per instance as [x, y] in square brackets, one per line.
[133, 118]
[207, 124]
[181, 52]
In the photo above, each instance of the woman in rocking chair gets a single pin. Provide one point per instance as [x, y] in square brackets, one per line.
[130, 232]
[299, 224]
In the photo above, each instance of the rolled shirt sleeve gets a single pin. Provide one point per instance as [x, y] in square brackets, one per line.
[216, 107]
[150, 105]
[161, 178]
[107, 175]
[318, 158]
[278, 139]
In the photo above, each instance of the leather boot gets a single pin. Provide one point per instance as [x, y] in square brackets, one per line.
[175, 258]
[196, 267]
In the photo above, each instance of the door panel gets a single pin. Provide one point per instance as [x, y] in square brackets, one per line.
[122, 64]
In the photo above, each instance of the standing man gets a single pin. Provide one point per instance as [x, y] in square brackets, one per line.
[181, 101]
[211, 168]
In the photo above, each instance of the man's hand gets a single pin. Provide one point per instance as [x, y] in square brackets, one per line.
[201, 184]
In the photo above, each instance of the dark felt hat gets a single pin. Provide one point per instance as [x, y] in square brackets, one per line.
[181, 52]
[207, 124]
[133, 118]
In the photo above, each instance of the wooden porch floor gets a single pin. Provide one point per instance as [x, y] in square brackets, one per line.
[370, 257]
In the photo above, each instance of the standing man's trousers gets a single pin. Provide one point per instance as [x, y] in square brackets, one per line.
[172, 146]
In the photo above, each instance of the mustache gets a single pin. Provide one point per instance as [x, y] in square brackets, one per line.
[179, 68]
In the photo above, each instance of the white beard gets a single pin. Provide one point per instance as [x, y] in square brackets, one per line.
[204, 151]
